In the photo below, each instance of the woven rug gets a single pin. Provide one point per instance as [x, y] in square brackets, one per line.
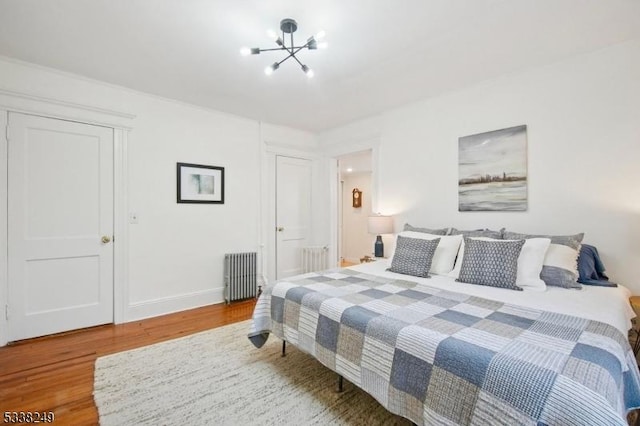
[218, 377]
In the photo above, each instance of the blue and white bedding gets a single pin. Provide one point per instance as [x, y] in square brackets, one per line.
[434, 352]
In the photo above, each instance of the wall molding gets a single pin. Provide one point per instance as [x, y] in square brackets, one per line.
[120, 224]
[167, 305]
[351, 145]
[291, 150]
[30, 103]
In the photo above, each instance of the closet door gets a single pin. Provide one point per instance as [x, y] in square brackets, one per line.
[60, 211]
[293, 213]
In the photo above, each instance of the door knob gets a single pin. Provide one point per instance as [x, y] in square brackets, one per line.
[279, 229]
[105, 239]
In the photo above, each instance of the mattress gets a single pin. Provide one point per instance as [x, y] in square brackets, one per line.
[440, 352]
[587, 302]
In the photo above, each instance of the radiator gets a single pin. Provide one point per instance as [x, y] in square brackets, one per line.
[315, 258]
[240, 273]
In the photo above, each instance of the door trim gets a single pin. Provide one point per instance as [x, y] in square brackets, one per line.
[269, 151]
[333, 183]
[4, 227]
[121, 228]
[30, 103]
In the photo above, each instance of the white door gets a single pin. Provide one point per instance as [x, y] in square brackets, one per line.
[293, 213]
[60, 211]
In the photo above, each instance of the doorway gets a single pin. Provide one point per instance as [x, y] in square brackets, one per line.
[61, 225]
[355, 205]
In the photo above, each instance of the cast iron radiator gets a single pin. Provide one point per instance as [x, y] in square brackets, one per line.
[240, 276]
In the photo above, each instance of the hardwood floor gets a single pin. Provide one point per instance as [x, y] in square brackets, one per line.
[55, 373]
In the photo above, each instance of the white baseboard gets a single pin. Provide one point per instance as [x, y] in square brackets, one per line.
[4, 335]
[168, 305]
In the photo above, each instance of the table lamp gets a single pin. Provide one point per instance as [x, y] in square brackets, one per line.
[380, 225]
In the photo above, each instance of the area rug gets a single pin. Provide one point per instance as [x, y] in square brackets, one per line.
[218, 377]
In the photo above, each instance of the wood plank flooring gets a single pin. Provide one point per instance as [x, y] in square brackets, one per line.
[55, 373]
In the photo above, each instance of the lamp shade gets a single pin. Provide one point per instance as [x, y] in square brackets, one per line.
[380, 225]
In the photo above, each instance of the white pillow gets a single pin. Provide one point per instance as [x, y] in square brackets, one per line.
[446, 252]
[529, 262]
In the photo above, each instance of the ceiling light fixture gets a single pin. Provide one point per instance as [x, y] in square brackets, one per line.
[288, 26]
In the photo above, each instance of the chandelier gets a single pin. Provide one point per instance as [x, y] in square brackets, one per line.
[288, 26]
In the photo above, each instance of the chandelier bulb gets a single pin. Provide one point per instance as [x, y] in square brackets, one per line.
[271, 68]
[308, 71]
[320, 35]
[272, 35]
[323, 45]
[245, 51]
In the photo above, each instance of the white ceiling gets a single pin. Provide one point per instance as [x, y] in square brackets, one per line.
[381, 53]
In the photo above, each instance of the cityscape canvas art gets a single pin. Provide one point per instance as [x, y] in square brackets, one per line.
[492, 170]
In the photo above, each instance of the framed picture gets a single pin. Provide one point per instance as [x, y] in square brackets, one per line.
[200, 184]
[492, 169]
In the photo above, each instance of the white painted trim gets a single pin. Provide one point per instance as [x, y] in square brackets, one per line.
[270, 151]
[335, 214]
[269, 219]
[263, 218]
[351, 146]
[66, 104]
[28, 103]
[120, 226]
[290, 151]
[52, 108]
[375, 178]
[167, 305]
[333, 182]
[4, 227]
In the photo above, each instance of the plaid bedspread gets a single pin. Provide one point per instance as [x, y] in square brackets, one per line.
[439, 357]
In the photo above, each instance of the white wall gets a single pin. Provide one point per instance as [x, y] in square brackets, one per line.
[356, 240]
[583, 124]
[176, 251]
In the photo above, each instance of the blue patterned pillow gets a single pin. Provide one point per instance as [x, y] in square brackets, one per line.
[488, 233]
[413, 256]
[491, 263]
[442, 231]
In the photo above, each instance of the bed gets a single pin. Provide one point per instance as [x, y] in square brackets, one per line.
[438, 351]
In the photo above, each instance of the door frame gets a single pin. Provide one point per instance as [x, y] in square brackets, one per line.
[335, 211]
[58, 109]
[269, 151]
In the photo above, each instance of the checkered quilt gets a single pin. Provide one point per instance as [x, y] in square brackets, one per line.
[439, 357]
